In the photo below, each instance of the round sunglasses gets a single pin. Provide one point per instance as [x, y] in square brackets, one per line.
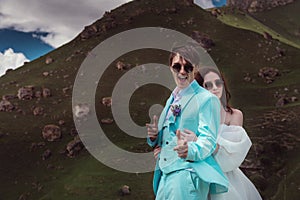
[209, 84]
[187, 67]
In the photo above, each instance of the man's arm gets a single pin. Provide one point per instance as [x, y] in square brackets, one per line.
[208, 127]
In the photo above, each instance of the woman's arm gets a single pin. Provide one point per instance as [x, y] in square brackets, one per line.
[236, 118]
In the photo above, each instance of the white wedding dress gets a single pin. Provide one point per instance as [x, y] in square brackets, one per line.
[234, 145]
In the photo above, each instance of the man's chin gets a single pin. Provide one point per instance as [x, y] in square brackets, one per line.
[183, 85]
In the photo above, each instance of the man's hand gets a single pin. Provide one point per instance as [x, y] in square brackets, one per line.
[152, 129]
[188, 135]
[182, 147]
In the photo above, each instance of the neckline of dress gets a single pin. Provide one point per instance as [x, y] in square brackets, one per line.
[231, 125]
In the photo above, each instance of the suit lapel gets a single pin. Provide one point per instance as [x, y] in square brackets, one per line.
[164, 113]
[188, 95]
[191, 91]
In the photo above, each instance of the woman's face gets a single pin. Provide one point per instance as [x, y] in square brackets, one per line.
[213, 83]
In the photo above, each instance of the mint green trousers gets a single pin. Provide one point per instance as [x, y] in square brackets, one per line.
[182, 185]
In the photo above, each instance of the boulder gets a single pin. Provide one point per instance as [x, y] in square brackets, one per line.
[38, 94]
[74, 147]
[51, 133]
[125, 190]
[107, 121]
[8, 97]
[49, 60]
[268, 74]
[293, 99]
[66, 76]
[38, 111]
[81, 110]
[26, 93]
[61, 122]
[107, 101]
[45, 73]
[46, 154]
[247, 77]
[282, 101]
[46, 92]
[120, 65]
[267, 36]
[73, 132]
[65, 90]
[6, 106]
[280, 52]
[88, 32]
[214, 12]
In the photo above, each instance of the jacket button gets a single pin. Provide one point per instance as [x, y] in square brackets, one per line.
[165, 159]
[167, 142]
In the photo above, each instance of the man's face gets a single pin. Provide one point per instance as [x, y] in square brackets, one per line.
[183, 73]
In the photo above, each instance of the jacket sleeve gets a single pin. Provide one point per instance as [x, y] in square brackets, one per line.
[153, 143]
[208, 126]
[234, 145]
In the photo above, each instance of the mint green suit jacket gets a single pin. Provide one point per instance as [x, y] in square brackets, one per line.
[200, 113]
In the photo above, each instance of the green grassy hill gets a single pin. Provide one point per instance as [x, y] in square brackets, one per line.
[283, 20]
[272, 163]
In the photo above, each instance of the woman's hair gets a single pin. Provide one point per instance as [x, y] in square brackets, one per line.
[199, 77]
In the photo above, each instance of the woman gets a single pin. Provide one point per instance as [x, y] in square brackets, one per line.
[233, 142]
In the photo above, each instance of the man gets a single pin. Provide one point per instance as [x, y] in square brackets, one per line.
[186, 170]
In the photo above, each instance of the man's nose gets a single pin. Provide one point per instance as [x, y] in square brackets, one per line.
[182, 71]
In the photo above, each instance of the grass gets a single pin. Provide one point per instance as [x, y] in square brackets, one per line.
[282, 20]
[288, 186]
[247, 22]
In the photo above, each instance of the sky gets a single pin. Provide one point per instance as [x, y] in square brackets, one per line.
[32, 28]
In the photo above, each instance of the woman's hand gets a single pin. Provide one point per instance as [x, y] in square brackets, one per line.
[217, 149]
[156, 151]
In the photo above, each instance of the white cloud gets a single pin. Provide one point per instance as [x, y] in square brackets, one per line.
[63, 19]
[11, 60]
[205, 4]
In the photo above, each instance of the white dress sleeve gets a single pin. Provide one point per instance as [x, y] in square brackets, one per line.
[234, 145]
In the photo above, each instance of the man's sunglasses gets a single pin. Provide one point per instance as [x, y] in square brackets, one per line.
[209, 85]
[187, 67]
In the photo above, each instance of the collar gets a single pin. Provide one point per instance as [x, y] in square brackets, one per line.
[178, 93]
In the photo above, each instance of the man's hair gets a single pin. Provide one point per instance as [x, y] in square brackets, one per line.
[187, 52]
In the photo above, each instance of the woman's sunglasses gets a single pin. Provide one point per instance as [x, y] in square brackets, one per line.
[187, 67]
[209, 85]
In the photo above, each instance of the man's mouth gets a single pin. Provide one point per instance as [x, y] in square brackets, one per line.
[182, 78]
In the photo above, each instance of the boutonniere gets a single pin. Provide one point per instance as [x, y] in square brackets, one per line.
[176, 110]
